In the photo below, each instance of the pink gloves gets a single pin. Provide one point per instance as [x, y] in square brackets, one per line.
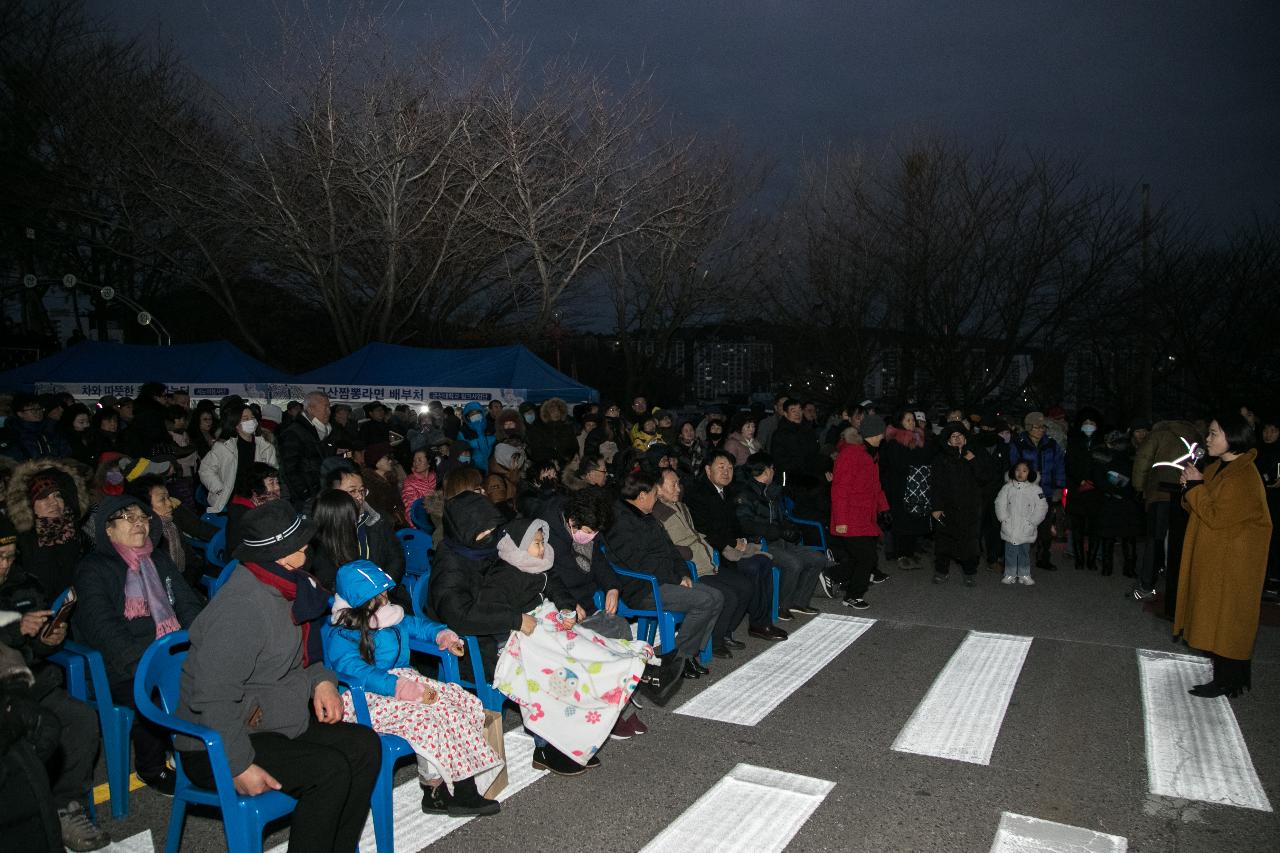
[408, 690]
[445, 639]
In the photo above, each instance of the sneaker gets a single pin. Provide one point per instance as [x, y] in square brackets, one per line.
[552, 759]
[622, 729]
[784, 615]
[940, 578]
[908, 564]
[78, 832]
[1008, 579]
[806, 610]
[637, 725]
[970, 580]
[878, 576]
[1026, 580]
[827, 584]
[163, 783]
[856, 603]
[1140, 594]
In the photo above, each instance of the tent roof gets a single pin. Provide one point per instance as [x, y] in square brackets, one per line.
[218, 362]
[510, 367]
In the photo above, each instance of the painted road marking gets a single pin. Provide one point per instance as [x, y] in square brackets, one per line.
[960, 717]
[1021, 834]
[102, 793]
[1195, 750]
[769, 678]
[751, 809]
[415, 830]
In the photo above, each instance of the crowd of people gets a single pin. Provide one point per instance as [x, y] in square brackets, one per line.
[548, 524]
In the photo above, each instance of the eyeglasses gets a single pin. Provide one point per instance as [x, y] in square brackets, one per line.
[132, 518]
[358, 492]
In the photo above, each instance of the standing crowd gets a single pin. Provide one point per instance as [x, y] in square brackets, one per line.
[549, 527]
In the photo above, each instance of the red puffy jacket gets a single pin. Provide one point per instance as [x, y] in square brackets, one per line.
[856, 495]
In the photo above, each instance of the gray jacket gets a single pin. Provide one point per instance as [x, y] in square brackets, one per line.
[246, 654]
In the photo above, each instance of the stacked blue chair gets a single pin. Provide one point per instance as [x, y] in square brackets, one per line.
[86, 678]
[417, 548]
[243, 818]
[215, 555]
[420, 518]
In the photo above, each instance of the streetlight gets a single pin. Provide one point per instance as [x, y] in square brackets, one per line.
[108, 293]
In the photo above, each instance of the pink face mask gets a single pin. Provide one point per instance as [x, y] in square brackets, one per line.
[582, 537]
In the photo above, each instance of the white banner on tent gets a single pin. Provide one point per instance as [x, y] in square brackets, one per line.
[419, 394]
[197, 390]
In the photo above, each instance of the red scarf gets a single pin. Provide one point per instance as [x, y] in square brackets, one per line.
[310, 603]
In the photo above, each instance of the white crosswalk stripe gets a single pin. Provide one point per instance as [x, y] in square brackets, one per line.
[960, 717]
[1195, 750]
[1022, 834]
[751, 809]
[771, 677]
[415, 830]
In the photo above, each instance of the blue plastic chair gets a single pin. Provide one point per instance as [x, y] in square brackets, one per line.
[202, 495]
[86, 680]
[213, 584]
[215, 552]
[449, 669]
[243, 818]
[659, 620]
[420, 518]
[394, 748]
[217, 519]
[416, 545]
[788, 511]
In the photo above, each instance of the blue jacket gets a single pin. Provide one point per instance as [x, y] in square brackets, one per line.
[390, 651]
[1047, 459]
[357, 582]
[481, 440]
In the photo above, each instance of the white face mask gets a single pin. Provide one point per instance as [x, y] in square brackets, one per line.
[249, 427]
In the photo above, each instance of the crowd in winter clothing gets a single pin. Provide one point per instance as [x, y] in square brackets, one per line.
[548, 524]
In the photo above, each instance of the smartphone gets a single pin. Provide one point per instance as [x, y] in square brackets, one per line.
[62, 617]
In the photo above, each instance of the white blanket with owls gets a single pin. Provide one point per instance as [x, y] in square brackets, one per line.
[570, 683]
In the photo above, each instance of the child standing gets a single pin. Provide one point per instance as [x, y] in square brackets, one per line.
[369, 644]
[1020, 507]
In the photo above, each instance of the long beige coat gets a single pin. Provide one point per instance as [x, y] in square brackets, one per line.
[1224, 560]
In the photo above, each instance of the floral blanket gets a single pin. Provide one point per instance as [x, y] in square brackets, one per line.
[570, 683]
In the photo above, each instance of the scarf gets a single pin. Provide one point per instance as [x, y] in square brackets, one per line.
[144, 594]
[54, 531]
[582, 554]
[516, 556]
[386, 616]
[310, 603]
[173, 542]
[909, 438]
[470, 553]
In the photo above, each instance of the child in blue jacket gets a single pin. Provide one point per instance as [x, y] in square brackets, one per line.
[369, 645]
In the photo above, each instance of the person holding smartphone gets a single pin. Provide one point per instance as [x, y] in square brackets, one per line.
[35, 636]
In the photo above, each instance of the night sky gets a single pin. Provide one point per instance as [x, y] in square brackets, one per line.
[1183, 95]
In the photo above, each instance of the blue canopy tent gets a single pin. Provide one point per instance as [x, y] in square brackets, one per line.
[93, 369]
[389, 372]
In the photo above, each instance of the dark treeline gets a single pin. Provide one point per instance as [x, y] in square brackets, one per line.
[349, 195]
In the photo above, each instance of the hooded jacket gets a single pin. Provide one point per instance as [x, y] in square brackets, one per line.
[389, 641]
[1047, 459]
[98, 619]
[573, 586]
[1020, 507]
[479, 435]
[53, 566]
[472, 590]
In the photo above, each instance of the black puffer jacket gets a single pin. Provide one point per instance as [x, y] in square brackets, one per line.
[98, 619]
[472, 590]
[636, 541]
[759, 511]
[956, 487]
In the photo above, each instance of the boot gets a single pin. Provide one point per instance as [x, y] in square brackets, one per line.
[1077, 550]
[1108, 557]
[1092, 561]
[467, 801]
[1129, 550]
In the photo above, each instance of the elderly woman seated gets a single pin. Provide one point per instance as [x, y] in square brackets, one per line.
[129, 592]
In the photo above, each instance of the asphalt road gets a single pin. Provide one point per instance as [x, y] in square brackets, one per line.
[1071, 748]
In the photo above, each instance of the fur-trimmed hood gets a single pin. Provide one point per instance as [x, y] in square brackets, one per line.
[554, 409]
[74, 491]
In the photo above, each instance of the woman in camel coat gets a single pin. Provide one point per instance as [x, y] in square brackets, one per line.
[1224, 557]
